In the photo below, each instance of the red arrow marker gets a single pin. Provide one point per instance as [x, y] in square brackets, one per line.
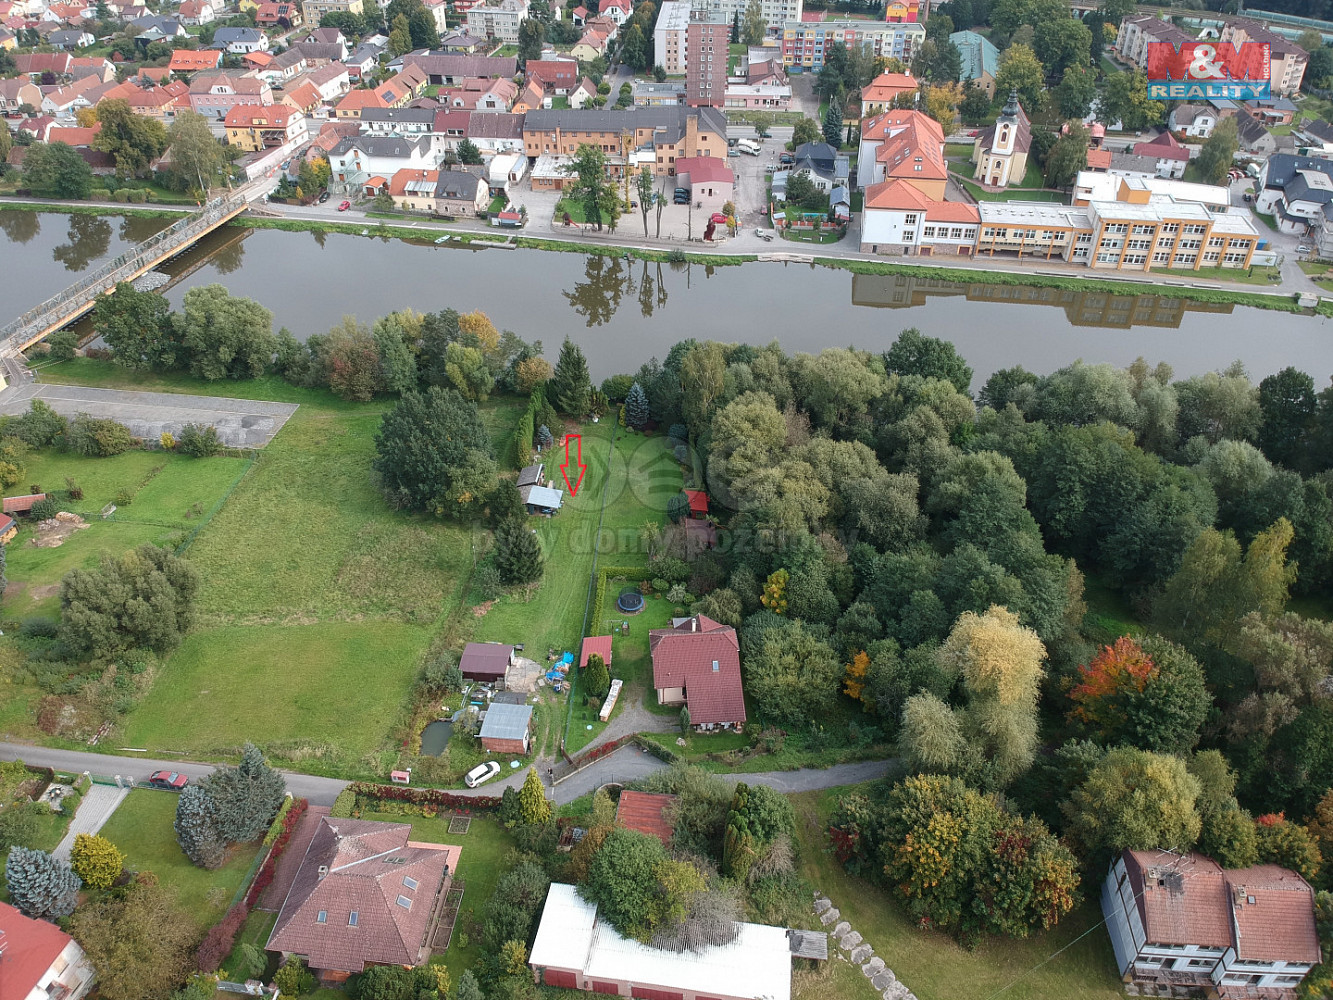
[577, 441]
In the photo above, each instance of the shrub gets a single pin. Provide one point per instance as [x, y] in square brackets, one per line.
[38, 628]
[199, 441]
[266, 870]
[96, 860]
[488, 582]
[344, 803]
[294, 979]
[45, 509]
[96, 437]
[100, 194]
[218, 942]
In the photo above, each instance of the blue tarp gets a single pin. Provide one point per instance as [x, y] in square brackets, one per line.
[567, 658]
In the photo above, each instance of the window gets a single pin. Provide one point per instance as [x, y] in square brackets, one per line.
[1161, 258]
[322, 917]
[1234, 258]
[352, 918]
[1200, 963]
[909, 219]
[1170, 227]
[1190, 244]
[404, 902]
[411, 883]
[1195, 230]
[1136, 258]
[1116, 228]
[1216, 241]
[928, 232]
[956, 233]
[1143, 230]
[1139, 244]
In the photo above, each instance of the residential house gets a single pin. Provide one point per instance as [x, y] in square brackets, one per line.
[34, 64]
[486, 661]
[1001, 151]
[1169, 155]
[647, 813]
[8, 40]
[619, 11]
[1182, 922]
[585, 92]
[879, 94]
[160, 102]
[40, 961]
[314, 10]
[214, 94]
[410, 122]
[1194, 120]
[460, 43]
[81, 66]
[576, 949]
[362, 60]
[239, 41]
[506, 728]
[505, 172]
[1253, 136]
[303, 96]
[696, 663]
[442, 69]
[254, 128]
[559, 76]
[1317, 137]
[821, 163]
[706, 38]
[980, 60]
[497, 20]
[899, 218]
[413, 190]
[591, 45]
[328, 36]
[365, 894]
[710, 181]
[1273, 110]
[650, 94]
[668, 134]
[279, 15]
[766, 71]
[1130, 164]
[1137, 32]
[197, 12]
[775, 12]
[355, 162]
[490, 132]
[1294, 190]
[532, 98]
[804, 43]
[284, 66]
[317, 53]
[773, 97]
[16, 92]
[536, 499]
[331, 80]
[1286, 59]
[184, 61]
[496, 95]
[595, 645]
[71, 39]
[259, 63]
[155, 27]
[386, 95]
[907, 145]
[903, 10]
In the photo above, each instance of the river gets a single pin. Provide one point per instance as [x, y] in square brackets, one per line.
[622, 312]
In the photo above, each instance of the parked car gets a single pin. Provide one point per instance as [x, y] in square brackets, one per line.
[732, 142]
[786, 158]
[764, 234]
[323, 197]
[734, 152]
[718, 219]
[344, 206]
[171, 780]
[480, 773]
[1302, 249]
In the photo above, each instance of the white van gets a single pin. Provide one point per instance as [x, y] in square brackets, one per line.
[748, 146]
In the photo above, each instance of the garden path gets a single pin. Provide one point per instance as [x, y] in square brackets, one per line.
[95, 808]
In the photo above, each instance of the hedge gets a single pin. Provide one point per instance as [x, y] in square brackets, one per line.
[344, 803]
[527, 427]
[276, 827]
[599, 598]
[267, 869]
[422, 797]
[218, 942]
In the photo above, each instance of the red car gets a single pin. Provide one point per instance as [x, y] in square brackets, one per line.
[171, 780]
[344, 206]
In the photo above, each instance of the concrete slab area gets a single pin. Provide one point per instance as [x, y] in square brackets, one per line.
[95, 808]
[240, 423]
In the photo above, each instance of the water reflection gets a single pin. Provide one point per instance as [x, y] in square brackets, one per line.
[89, 237]
[137, 228]
[20, 227]
[1081, 307]
[605, 280]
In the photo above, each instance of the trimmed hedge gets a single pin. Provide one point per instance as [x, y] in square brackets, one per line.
[218, 942]
[436, 798]
[276, 827]
[344, 803]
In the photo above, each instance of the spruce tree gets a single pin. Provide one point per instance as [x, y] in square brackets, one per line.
[518, 556]
[596, 678]
[636, 407]
[570, 387]
[532, 802]
[196, 827]
[247, 796]
[40, 885]
[468, 988]
[833, 123]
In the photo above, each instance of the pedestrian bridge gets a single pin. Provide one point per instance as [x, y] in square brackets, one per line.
[62, 309]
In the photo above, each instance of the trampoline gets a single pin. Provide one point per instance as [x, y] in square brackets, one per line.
[630, 601]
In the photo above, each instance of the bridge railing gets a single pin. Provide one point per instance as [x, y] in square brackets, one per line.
[179, 232]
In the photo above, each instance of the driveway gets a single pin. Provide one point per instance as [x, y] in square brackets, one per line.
[94, 810]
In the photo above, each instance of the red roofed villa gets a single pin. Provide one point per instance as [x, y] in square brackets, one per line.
[698, 502]
[40, 960]
[1170, 155]
[697, 663]
[647, 813]
[599, 644]
[1182, 921]
[365, 895]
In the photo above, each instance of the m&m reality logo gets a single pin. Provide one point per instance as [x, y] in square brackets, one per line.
[1203, 70]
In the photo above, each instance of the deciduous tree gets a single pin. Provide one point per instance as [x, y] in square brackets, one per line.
[1134, 799]
[133, 140]
[135, 326]
[1219, 149]
[139, 941]
[198, 160]
[56, 171]
[225, 336]
[1021, 70]
[793, 676]
[432, 453]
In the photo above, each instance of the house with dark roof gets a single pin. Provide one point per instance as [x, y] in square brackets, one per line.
[1183, 922]
[241, 40]
[365, 894]
[646, 812]
[697, 663]
[486, 661]
[39, 960]
[1194, 120]
[507, 728]
[1294, 190]
[532, 475]
[446, 69]
[1253, 135]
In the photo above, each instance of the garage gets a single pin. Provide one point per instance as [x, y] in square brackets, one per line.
[599, 986]
[645, 993]
[556, 977]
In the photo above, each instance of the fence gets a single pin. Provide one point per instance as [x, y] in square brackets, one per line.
[180, 232]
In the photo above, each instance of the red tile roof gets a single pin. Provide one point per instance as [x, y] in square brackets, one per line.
[21, 505]
[952, 211]
[698, 499]
[703, 657]
[1279, 925]
[30, 948]
[705, 168]
[887, 86]
[1164, 147]
[189, 60]
[647, 813]
[599, 644]
[896, 194]
[553, 72]
[74, 136]
[1099, 159]
[485, 659]
[366, 868]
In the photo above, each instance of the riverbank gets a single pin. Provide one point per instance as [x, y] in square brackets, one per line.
[1009, 273]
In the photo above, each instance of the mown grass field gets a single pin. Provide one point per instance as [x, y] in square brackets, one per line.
[142, 829]
[934, 966]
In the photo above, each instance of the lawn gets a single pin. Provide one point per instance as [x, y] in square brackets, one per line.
[1245, 276]
[325, 695]
[142, 829]
[932, 965]
[960, 150]
[486, 856]
[1011, 193]
[258, 926]
[1321, 274]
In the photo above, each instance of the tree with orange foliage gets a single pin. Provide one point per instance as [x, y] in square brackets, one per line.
[1117, 669]
[854, 682]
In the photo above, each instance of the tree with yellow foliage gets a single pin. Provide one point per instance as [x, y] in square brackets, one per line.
[854, 682]
[477, 326]
[774, 596]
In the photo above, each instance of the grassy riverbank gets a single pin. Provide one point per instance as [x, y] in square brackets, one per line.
[1281, 301]
[99, 208]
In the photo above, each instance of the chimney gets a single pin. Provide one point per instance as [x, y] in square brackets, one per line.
[694, 624]
[323, 870]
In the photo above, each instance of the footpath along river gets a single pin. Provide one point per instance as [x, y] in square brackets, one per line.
[621, 312]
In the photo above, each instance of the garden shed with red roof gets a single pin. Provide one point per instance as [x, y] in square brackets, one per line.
[599, 644]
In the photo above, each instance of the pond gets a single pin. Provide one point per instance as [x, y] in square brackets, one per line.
[435, 737]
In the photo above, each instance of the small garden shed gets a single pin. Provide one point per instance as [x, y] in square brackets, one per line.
[486, 661]
[507, 728]
[599, 644]
[541, 499]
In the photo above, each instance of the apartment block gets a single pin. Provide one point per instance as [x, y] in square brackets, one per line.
[313, 10]
[776, 12]
[804, 43]
[706, 65]
[669, 37]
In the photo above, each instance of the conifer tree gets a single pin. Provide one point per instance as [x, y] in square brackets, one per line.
[636, 407]
[246, 796]
[518, 556]
[41, 885]
[570, 388]
[196, 827]
[532, 800]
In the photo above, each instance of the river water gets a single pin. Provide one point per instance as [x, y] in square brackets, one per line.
[623, 312]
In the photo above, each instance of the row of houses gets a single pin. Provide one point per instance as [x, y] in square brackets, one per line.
[1287, 60]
